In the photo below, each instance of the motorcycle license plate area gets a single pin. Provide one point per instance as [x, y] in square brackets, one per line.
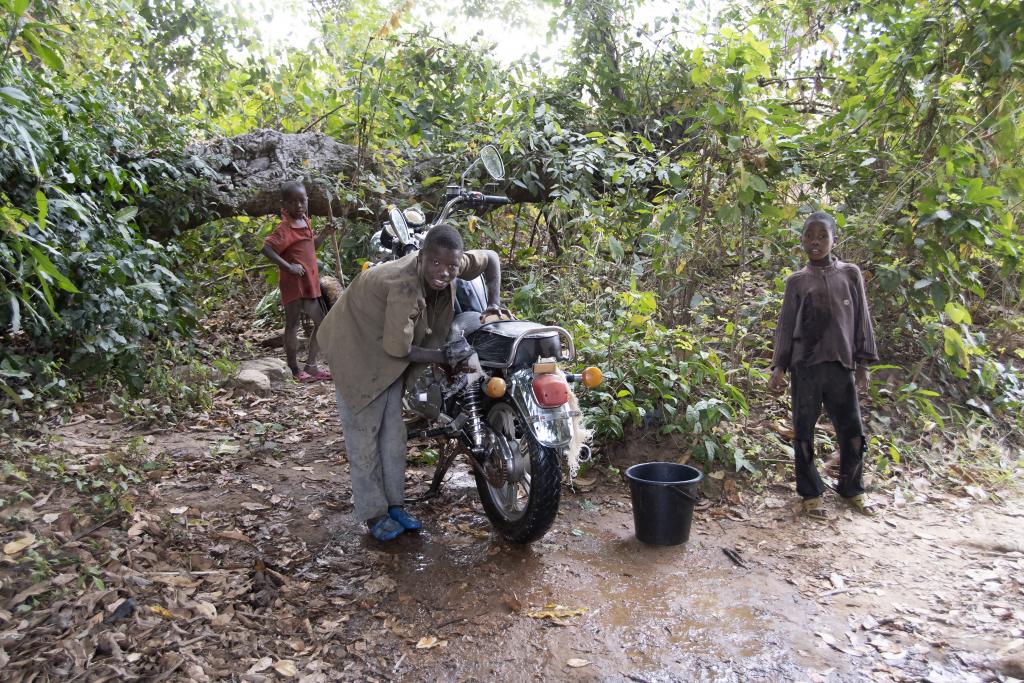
[550, 391]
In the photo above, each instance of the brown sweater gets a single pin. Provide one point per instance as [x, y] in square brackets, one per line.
[366, 337]
[824, 318]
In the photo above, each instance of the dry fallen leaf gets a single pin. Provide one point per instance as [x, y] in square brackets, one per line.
[137, 528]
[552, 611]
[180, 510]
[286, 667]
[29, 592]
[428, 642]
[976, 492]
[64, 579]
[577, 663]
[17, 545]
[380, 584]
[512, 601]
[784, 430]
[162, 611]
[584, 482]
[207, 609]
[254, 507]
[234, 535]
[261, 665]
[314, 516]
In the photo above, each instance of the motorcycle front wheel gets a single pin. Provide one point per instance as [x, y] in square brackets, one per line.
[524, 506]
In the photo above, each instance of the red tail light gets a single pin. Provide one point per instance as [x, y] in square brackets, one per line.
[551, 390]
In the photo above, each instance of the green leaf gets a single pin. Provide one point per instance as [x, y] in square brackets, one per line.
[615, 247]
[15, 314]
[42, 207]
[957, 313]
[954, 347]
[46, 54]
[14, 95]
[20, 6]
[29, 147]
[126, 214]
[756, 183]
[44, 265]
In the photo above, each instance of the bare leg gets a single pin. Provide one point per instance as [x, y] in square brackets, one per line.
[316, 314]
[292, 313]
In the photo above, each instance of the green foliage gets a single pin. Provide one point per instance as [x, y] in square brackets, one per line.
[82, 290]
[656, 378]
[108, 481]
[671, 166]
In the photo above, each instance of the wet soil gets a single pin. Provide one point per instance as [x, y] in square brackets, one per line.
[932, 590]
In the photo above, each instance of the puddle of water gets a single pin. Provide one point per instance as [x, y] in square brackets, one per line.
[653, 607]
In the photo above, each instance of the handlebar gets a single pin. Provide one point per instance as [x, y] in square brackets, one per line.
[481, 198]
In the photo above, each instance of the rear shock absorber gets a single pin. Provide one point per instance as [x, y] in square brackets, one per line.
[472, 410]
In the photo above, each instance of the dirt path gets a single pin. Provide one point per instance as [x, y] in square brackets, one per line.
[241, 561]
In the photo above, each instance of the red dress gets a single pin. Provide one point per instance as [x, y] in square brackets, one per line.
[294, 242]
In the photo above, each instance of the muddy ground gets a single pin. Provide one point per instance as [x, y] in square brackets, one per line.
[241, 560]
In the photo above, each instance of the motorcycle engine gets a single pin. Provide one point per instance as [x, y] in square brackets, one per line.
[430, 392]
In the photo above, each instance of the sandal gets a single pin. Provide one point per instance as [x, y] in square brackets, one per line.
[815, 509]
[323, 376]
[861, 504]
[305, 377]
[385, 528]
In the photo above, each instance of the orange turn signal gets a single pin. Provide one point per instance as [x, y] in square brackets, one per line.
[592, 377]
[495, 387]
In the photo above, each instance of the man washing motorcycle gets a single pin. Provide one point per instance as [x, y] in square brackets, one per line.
[392, 316]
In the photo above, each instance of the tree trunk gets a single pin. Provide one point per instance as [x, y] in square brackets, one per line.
[242, 176]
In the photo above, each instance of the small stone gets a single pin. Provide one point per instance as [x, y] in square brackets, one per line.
[274, 368]
[251, 381]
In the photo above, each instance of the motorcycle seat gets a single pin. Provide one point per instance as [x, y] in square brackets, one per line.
[493, 343]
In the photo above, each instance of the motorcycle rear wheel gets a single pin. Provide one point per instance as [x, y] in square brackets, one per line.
[522, 511]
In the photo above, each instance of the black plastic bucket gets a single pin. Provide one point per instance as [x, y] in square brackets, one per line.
[663, 494]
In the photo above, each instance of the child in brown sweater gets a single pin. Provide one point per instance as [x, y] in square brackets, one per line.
[825, 340]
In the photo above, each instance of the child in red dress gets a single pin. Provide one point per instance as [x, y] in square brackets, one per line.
[292, 247]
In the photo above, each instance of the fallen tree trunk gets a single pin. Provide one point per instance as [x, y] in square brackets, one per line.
[242, 176]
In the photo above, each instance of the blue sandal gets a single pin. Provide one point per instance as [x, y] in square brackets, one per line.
[408, 522]
[386, 529]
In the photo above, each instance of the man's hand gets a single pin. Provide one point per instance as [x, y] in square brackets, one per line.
[861, 377]
[457, 352]
[296, 269]
[497, 310]
[777, 382]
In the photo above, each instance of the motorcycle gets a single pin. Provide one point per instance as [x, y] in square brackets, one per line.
[511, 408]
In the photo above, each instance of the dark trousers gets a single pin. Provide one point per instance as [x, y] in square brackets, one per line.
[833, 385]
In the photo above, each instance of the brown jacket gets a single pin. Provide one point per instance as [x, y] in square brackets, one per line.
[825, 318]
[366, 337]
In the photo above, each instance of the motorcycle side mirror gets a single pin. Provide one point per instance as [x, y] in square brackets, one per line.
[397, 226]
[493, 164]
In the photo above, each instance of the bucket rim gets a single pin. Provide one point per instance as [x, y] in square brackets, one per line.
[684, 482]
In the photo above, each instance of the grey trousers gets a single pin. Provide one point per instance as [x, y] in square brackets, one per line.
[375, 440]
